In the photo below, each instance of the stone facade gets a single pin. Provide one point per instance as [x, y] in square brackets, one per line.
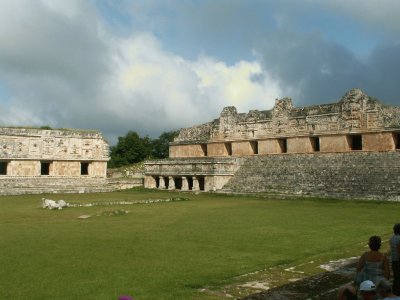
[72, 160]
[356, 133]
[357, 174]
[189, 174]
[356, 122]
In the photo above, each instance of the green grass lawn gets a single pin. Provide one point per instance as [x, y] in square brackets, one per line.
[170, 250]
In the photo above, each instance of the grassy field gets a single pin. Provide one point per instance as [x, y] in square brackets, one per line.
[170, 250]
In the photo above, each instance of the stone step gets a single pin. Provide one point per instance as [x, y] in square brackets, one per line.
[351, 174]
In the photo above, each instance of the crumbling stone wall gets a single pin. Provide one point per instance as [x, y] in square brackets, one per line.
[356, 111]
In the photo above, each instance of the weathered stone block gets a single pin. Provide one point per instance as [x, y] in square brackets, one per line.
[379, 141]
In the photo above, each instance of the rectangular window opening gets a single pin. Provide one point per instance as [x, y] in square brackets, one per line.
[84, 168]
[3, 167]
[45, 168]
[355, 142]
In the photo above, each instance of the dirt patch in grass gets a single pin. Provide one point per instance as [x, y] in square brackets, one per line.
[305, 281]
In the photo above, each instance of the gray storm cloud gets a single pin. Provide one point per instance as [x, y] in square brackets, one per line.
[64, 69]
[67, 64]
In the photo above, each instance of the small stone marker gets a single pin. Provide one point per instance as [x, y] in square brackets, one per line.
[84, 217]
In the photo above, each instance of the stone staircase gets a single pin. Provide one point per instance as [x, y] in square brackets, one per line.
[367, 175]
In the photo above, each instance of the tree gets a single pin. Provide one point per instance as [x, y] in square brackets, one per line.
[160, 147]
[130, 149]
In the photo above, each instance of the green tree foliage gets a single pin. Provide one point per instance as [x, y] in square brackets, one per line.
[132, 148]
[161, 145]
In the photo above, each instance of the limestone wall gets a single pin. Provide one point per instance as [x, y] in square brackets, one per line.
[219, 149]
[379, 142]
[366, 175]
[16, 185]
[35, 158]
[285, 128]
[194, 150]
[334, 143]
[26, 143]
[23, 168]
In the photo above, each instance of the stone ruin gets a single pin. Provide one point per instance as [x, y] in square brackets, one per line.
[36, 160]
[345, 149]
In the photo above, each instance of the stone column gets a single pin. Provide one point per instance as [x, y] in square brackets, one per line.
[171, 183]
[161, 184]
[185, 184]
[196, 186]
[150, 182]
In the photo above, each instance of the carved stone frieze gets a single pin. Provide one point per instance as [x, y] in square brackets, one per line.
[356, 111]
[27, 143]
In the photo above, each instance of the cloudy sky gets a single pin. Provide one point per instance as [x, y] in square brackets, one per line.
[153, 66]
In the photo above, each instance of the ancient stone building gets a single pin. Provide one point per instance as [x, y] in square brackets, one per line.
[38, 160]
[348, 148]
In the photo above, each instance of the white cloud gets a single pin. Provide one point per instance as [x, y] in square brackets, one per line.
[234, 85]
[162, 90]
[61, 68]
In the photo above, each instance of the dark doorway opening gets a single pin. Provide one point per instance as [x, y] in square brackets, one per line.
[45, 168]
[283, 145]
[166, 180]
[204, 149]
[254, 147]
[201, 183]
[178, 183]
[396, 139]
[315, 143]
[228, 147]
[355, 142]
[190, 182]
[3, 167]
[84, 168]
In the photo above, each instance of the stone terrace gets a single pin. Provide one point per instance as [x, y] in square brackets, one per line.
[367, 175]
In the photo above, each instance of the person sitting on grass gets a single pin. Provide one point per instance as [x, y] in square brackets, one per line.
[395, 256]
[384, 289]
[373, 265]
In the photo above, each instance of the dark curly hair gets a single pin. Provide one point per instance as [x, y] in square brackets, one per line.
[396, 228]
[374, 243]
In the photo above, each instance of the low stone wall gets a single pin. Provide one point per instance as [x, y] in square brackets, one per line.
[358, 174]
[10, 185]
[125, 183]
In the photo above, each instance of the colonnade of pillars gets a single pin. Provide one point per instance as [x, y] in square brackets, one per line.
[185, 183]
